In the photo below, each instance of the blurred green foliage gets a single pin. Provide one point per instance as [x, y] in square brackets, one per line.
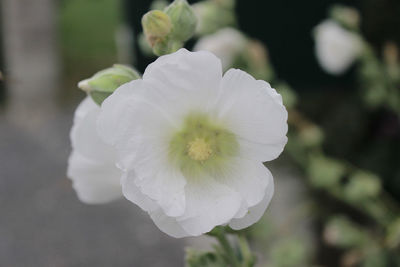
[87, 37]
[288, 252]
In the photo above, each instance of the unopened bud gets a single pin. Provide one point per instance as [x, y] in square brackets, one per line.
[105, 82]
[156, 26]
[183, 19]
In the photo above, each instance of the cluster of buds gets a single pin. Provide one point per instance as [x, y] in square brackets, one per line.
[167, 30]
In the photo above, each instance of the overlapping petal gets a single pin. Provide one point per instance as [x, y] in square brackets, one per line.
[208, 204]
[249, 178]
[256, 212]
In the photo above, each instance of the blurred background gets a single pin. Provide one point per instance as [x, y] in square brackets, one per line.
[337, 184]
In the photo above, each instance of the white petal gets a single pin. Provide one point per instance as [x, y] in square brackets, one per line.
[254, 112]
[84, 108]
[188, 80]
[136, 125]
[186, 71]
[166, 187]
[208, 204]
[247, 177]
[168, 225]
[130, 119]
[114, 117]
[95, 182]
[255, 213]
[133, 193]
[161, 183]
[161, 188]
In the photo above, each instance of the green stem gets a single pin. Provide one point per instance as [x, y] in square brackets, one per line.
[248, 257]
[229, 251]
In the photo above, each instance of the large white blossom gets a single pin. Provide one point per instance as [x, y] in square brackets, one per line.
[191, 142]
[336, 48]
[91, 166]
[226, 44]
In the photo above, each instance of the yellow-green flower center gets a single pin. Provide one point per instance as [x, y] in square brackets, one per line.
[199, 149]
[201, 144]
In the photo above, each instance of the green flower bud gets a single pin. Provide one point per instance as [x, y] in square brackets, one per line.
[105, 82]
[156, 26]
[183, 19]
[166, 46]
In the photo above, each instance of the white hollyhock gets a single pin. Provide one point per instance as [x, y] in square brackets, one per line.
[91, 166]
[336, 48]
[226, 44]
[192, 142]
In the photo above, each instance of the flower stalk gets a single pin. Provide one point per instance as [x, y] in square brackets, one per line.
[236, 255]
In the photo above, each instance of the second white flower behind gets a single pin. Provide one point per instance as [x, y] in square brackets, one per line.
[191, 142]
[336, 48]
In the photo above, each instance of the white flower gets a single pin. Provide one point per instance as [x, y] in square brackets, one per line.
[192, 142]
[226, 44]
[91, 166]
[336, 47]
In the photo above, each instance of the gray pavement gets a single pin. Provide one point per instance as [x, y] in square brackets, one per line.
[42, 223]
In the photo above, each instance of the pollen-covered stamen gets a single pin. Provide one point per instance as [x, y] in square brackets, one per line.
[202, 144]
[199, 149]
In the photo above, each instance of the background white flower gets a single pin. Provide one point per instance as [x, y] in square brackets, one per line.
[336, 48]
[226, 44]
[91, 166]
[192, 142]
